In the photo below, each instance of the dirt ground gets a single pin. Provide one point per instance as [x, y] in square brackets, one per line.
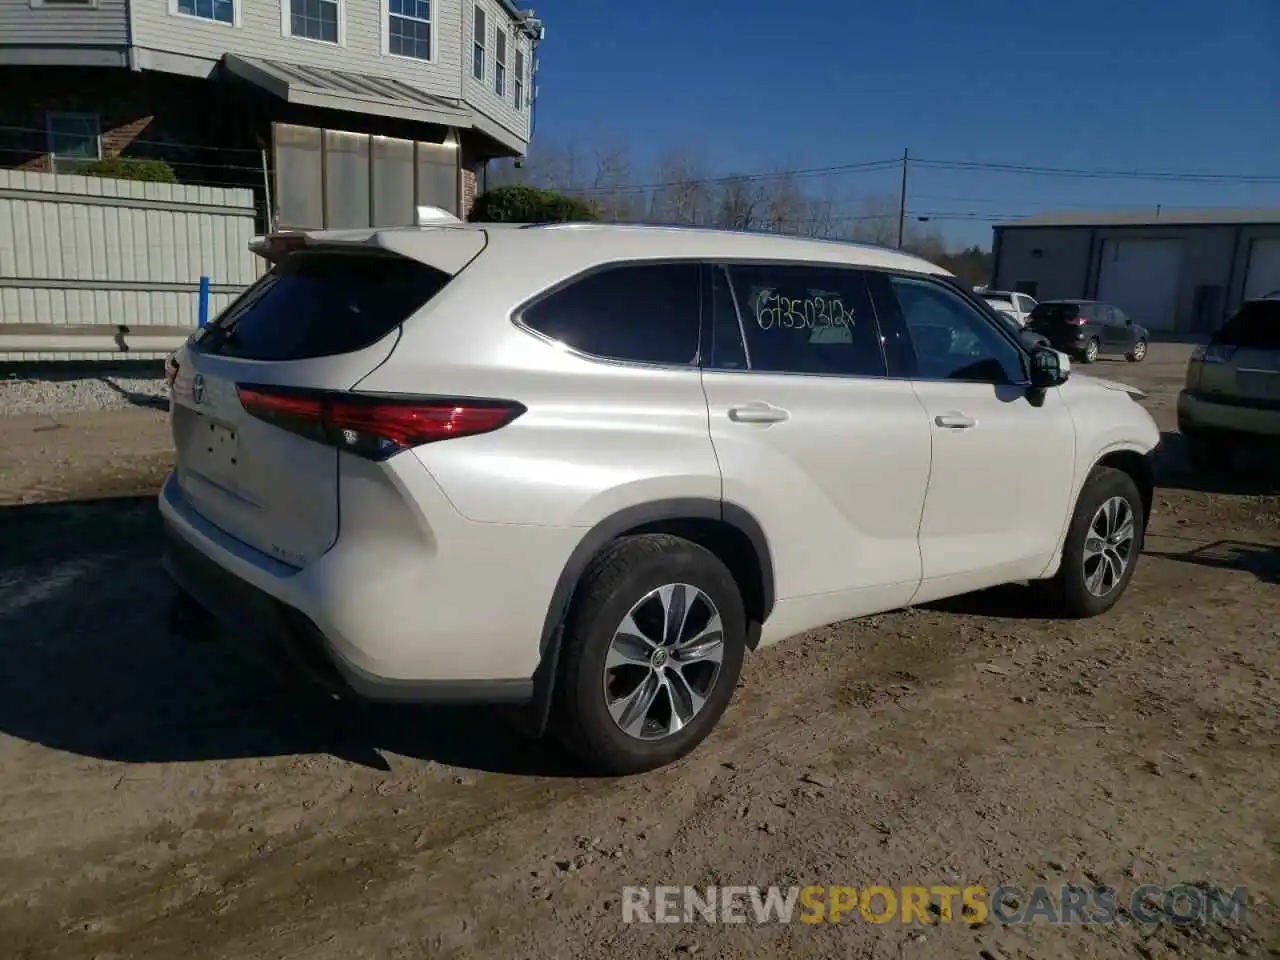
[164, 800]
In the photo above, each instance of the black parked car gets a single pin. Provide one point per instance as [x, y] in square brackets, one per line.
[1088, 329]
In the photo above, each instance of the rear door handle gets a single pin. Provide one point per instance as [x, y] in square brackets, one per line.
[955, 421]
[757, 412]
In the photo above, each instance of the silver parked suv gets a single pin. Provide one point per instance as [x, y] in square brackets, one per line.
[586, 468]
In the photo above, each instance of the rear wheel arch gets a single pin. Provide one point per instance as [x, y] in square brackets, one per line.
[729, 531]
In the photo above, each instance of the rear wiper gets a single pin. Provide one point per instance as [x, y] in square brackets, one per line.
[218, 337]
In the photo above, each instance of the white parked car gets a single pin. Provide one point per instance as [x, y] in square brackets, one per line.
[1018, 306]
[587, 468]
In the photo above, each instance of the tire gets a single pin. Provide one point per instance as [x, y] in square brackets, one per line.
[634, 571]
[1138, 353]
[1069, 589]
[1091, 350]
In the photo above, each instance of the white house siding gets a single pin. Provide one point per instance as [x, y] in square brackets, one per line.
[481, 94]
[105, 24]
[262, 25]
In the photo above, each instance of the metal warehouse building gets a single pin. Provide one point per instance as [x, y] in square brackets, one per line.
[1176, 270]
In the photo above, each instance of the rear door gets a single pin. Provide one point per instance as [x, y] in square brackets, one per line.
[830, 454]
[320, 319]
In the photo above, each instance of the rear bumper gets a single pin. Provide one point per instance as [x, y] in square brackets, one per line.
[377, 618]
[1065, 343]
[1200, 415]
[283, 637]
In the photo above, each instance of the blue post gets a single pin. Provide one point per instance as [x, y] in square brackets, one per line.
[204, 301]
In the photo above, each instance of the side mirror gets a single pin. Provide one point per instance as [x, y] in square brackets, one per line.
[1049, 368]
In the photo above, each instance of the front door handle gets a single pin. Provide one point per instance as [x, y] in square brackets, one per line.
[955, 421]
[757, 412]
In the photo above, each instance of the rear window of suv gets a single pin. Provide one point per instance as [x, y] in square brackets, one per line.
[1255, 326]
[322, 304]
[1056, 311]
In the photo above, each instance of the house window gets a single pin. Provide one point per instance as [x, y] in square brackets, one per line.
[75, 136]
[314, 19]
[222, 11]
[409, 28]
[500, 65]
[519, 80]
[479, 32]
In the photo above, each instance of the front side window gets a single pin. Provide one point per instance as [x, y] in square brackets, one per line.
[409, 28]
[951, 339]
[642, 313]
[808, 320]
[314, 19]
[500, 65]
[223, 11]
[519, 81]
[478, 33]
[75, 136]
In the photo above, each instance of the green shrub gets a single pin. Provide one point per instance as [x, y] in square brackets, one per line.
[520, 204]
[132, 168]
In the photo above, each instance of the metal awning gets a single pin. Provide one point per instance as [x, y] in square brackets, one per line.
[339, 90]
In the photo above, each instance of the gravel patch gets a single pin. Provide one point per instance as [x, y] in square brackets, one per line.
[54, 394]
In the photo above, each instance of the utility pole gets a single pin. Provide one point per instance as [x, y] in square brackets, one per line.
[902, 200]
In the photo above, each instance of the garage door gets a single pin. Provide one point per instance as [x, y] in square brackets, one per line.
[1263, 276]
[1141, 278]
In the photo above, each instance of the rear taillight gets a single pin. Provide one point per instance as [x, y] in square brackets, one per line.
[1214, 353]
[1219, 353]
[1077, 321]
[374, 427]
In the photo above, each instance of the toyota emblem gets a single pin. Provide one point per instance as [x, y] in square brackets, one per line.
[197, 388]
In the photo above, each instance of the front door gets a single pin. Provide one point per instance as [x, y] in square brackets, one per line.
[1003, 454]
[830, 454]
[1115, 335]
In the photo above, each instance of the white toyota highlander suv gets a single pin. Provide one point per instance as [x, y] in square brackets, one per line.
[586, 468]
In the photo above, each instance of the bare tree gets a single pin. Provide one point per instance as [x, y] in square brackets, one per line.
[680, 189]
[682, 193]
[612, 187]
[738, 204]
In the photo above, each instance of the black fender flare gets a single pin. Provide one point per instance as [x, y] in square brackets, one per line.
[610, 529]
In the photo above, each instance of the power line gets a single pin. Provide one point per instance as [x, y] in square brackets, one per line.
[166, 144]
[1099, 173]
[845, 168]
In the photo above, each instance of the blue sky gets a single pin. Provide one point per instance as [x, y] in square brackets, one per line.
[1180, 85]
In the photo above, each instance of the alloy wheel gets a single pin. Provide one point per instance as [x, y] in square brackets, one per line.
[1108, 546]
[663, 662]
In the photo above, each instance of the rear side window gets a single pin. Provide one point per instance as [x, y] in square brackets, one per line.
[1055, 311]
[1256, 326]
[641, 313]
[814, 320]
[322, 305]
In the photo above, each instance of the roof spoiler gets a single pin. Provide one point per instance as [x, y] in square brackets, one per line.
[274, 247]
[277, 245]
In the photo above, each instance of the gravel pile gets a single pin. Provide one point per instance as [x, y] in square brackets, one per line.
[53, 394]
